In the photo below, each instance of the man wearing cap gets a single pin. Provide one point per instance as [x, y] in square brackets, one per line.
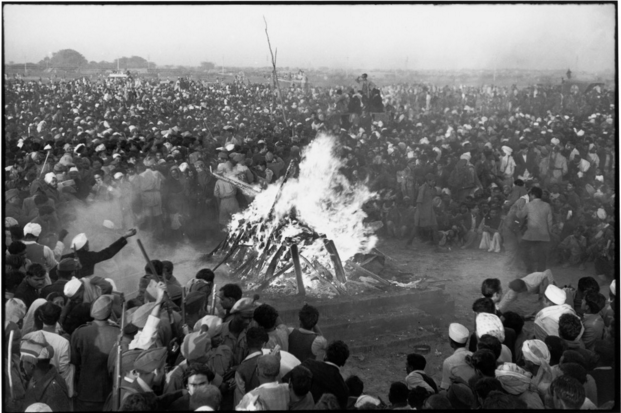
[558, 167]
[49, 315]
[88, 259]
[38, 253]
[90, 346]
[535, 241]
[270, 394]
[546, 320]
[454, 364]
[48, 187]
[148, 373]
[45, 385]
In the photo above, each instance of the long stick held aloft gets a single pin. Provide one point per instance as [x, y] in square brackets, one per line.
[146, 257]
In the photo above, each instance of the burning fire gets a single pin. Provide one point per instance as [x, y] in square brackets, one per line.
[320, 203]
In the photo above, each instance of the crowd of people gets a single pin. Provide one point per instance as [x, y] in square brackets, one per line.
[527, 171]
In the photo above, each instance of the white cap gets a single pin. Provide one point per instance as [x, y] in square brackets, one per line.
[118, 175]
[424, 141]
[49, 176]
[555, 294]
[458, 333]
[213, 322]
[72, 287]
[183, 167]
[100, 147]
[112, 283]
[613, 287]
[32, 228]
[555, 141]
[108, 224]
[79, 241]
[73, 169]
[490, 324]
[601, 213]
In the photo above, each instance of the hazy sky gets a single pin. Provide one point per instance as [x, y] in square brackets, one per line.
[580, 37]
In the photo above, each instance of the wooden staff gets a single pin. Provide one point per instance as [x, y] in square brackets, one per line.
[45, 162]
[295, 257]
[213, 299]
[10, 350]
[182, 306]
[119, 352]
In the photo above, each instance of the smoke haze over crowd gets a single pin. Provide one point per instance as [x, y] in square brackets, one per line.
[448, 37]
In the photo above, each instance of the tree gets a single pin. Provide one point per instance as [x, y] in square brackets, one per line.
[207, 66]
[65, 59]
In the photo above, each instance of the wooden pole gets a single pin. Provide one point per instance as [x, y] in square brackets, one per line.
[295, 257]
[119, 355]
[275, 75]
[336, 260]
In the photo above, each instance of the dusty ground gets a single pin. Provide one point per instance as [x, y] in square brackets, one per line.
[464, 270]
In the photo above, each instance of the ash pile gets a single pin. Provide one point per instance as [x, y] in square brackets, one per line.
[306, 234]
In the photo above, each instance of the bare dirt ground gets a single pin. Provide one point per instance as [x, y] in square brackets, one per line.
[464, 271]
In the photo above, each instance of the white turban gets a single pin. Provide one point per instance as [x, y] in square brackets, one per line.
[73, 169]
[32, 228]
[601, 213]
[580, 133]
[536, 351]
[49, 177]
[613, 287]
[118, 175]
[183, 167]
[101, 147]
[507, 150]
[466, 156]
[555, 141]
[424, 141]
[72, 287]
[490, 324]
[555, 294]
[79, 241]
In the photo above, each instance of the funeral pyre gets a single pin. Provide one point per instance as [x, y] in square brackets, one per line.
[299, 230]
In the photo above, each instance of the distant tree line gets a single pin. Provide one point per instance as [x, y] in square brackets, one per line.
[71, 60]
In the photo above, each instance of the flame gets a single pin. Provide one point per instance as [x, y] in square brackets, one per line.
[323, 202]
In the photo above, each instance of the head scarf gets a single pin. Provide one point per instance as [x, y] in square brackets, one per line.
[490, 324]
[29, 324]
[15, 310]
[513, 379]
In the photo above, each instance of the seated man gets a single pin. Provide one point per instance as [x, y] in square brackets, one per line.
[534, 283]
[490, 226]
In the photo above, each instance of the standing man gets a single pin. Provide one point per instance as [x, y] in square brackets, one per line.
[425, 217]
[536, 239]
[90, 346]
[88, 259]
